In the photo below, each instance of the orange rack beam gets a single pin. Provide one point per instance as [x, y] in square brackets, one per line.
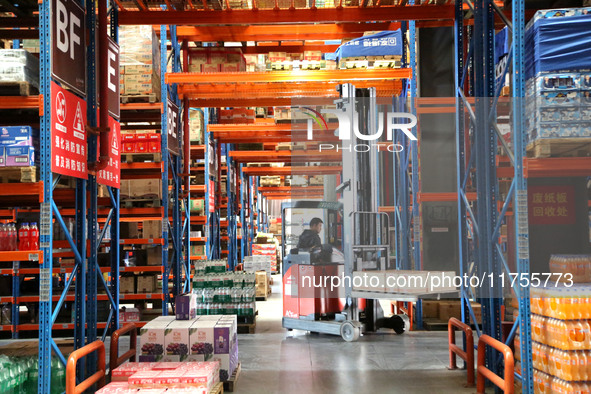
[275, 16]
[288, 32]
[197, 188]
[293, 170]
[20, 102]
[296, 76]
[268, 133]
[285, 156]
[24, 255]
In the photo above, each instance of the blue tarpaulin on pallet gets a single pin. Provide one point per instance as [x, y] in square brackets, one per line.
[558, 44]
[384, 43]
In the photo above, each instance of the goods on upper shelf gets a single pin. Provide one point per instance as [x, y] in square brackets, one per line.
[267, 245]
[196, 126]
[212, 60]
[236, 116]
[18, 145]
[558, 92]
[18, 65]
[138, 142]
[139, 62]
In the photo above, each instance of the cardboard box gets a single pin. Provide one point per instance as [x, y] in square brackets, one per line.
[228, 363]
[127, 285]
[129, 230]
[152, 229]
[225, 337]
[197, 205]
[197, 250]
[176, 340]
[186, 306]
[431, 309]
[145, 188]
[449, 309]
[277, 56]
[18, 136]
[202, 338]
[2, 156]
[152, 339]
[24, 156]
[132, 315]
[154, 255]
[146, 284]
[313, 55]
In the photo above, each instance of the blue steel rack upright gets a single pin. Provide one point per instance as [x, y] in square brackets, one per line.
[172, 173]
[86, 273]
[407, 216]
[486, 220]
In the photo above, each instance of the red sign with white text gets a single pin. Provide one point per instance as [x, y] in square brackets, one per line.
[111, 174]
[68, 133]
[551, 204]
[211, 196]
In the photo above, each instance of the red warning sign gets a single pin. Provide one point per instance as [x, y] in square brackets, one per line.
[111, 174]
[68, 133]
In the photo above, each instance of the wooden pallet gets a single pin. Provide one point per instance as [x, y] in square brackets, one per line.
[217, 389]
[17, 88]
[141, 157]
[18, 174]
[230, 384]
[139, 98]
[560, 147]
[247, 328]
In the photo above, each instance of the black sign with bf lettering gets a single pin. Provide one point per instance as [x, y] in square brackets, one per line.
[172, 128]
[68, 38]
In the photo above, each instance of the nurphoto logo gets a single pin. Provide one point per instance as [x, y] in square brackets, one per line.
[395, 121]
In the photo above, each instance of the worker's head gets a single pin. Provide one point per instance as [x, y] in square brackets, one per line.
[316, 225]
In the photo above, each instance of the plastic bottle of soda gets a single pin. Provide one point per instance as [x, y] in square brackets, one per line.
[34, 237]
[23, 237]
[13, 237]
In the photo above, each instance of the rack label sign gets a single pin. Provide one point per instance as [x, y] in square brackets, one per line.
[111, 174]
[211, 195]
[68, 37]
[172, 127]
[551, 204]
[68, 133]
[113, 80]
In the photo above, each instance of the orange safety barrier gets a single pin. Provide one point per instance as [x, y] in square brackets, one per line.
[482, 372]
[114, 359]
[97, 377]
[468, 355]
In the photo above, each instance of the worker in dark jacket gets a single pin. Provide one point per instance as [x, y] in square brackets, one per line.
[310, 239]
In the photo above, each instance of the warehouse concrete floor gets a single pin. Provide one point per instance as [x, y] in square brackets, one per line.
[276, 361]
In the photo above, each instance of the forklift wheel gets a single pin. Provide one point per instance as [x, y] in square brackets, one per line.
[400, 323]
[350, 331]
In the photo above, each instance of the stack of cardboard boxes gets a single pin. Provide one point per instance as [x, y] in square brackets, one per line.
[139, 61]
[141, 188]
[18, 65]
[237, 116]
[213, 60]
[204, 338]
[196, 126]
[138, 142]
[17, 146]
